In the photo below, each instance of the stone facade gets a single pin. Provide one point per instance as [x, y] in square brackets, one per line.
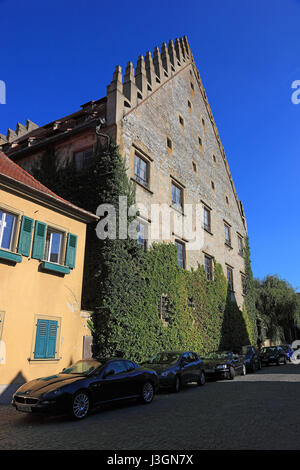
[159, 113]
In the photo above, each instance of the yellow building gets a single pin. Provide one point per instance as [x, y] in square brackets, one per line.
[42, 244]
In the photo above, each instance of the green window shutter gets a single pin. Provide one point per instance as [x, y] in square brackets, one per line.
[39, 240]
[25, 236]
[71, 250]
[41, 339]
[45, 341]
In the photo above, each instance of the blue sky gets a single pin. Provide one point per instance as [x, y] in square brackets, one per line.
[58, 55]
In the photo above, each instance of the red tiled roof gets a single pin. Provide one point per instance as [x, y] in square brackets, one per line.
[12, 170]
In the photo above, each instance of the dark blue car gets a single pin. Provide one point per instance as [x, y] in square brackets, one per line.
[288, 350]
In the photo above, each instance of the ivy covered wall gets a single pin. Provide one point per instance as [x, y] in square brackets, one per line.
[129, 290]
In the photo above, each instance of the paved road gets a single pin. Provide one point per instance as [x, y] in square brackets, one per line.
[258, 411]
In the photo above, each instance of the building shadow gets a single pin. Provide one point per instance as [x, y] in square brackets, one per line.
[7, 393]
[234, 332]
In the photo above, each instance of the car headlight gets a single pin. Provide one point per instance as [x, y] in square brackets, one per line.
[165, 373]
[222, 366]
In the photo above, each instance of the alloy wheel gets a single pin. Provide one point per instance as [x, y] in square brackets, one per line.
[81, 405]
[147, 393]
[201, 380]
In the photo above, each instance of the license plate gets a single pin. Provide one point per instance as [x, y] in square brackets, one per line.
[24, 408]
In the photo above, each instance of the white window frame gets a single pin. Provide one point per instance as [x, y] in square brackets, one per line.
[2, 227]
[48, 249]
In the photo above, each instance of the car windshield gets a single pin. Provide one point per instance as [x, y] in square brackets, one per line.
[82, 367]
[164, 358]
[224, 355]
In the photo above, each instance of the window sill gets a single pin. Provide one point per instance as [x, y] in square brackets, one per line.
[57, 268]
[10, 256]
[46, 359]
[207, 230]
[142, 185]
[177, 209]
[229, 245]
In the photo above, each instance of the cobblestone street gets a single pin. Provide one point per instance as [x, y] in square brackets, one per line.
[258, 411]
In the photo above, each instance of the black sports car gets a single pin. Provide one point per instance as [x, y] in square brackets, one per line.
[273, 355]
[177, 368]
[223, 365]
[85, 384]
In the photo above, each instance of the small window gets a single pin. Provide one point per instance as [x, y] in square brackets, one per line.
[214, 159]
[230, 278]
[240, 245]
[181, 253]
[203, 124]
[227, 231]
[194, 165]
[192, 86]
[169, 143]
[243, 282]
[141, 170]
[212, 185]
[53, 246]
[142, 238]
[7, 229]
[200, 142]
[177, 197]
[208, 267]
[227, 200]
[116, 367]
[189, 104]
[163, 307]
[84, 159]
[207, 219]
[181, 120]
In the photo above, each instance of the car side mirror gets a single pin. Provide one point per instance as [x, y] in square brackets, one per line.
[108, 373]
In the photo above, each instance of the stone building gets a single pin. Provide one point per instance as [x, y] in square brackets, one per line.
[159, 115]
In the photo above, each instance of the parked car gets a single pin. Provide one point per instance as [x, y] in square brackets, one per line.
[273, 355]
[251, 358]
[85, 384]
[288, 350]
[224, 365]
[175, 369]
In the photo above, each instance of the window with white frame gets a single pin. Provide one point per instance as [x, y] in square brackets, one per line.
[53, 246]
[7, 229]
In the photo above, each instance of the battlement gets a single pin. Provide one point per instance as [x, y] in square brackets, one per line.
[126, 92]
[19, 132]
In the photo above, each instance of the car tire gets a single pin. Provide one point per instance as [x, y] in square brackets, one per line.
[80, 405]
[177, 385]
[285, 361]
[231, 373]
[278, 361]
[202, 379]
[147, 394]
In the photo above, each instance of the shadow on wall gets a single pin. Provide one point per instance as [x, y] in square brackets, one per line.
[8, 390]
[234, 329]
